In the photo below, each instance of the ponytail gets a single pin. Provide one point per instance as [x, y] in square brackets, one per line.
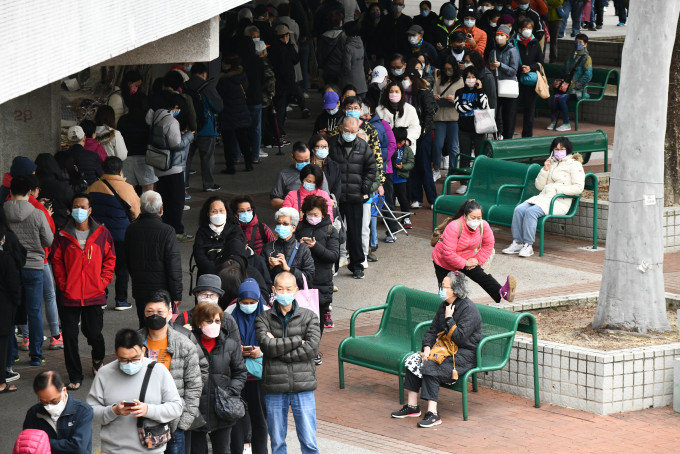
[466, 208]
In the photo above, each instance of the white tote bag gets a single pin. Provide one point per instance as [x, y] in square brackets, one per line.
[485, 121]
[508, 88]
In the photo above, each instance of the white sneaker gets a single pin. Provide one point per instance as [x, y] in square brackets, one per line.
[436, 174]
[461, 189]
[564, 127]
[289, 108]
[551, 126]
[364, 264]
[415, 205]
[514, 248]
[263, 154]
[343, 262]
[445, 163]
[527, 251]
[187, 207]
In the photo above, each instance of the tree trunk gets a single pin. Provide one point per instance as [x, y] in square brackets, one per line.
[632, 291]
[672, 148]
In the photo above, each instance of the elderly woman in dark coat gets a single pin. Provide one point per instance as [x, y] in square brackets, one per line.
[456, 309]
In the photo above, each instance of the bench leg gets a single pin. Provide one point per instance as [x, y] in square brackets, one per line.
[341, 372]
[542, 240]
[465, 402]
[401, 390]
[474, 382]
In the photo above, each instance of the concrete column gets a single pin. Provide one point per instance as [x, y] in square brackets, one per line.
[676, 384]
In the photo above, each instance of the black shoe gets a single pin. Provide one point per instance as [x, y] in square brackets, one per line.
[430, 420]
[317, 359]
[358, 274]
[228, 171]
[407, 412]
[11, 376]
[213, 188]
[306, 113]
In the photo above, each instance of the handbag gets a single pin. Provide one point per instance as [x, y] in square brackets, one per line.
[308, 298]
[254, 366]
[508, 88]
[529, 79]
[443, 348]
[542, 88]
[151, 435]
[561, 86]
[228, 408]
[485, 121]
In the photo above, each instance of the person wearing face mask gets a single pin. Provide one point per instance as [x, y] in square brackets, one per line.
[257, 233]
[215, 229]
[66, 420]
[504, 61]
[289, 338]
[397, 67]
[530, 61]
[114, 396]
[445, 27]
[397, 23]
[227, 371]
[489, 22]
[83, 263]
[416, 44]
[425, 375]
[467, 244]
[331, 114]
[311, 178]
[562, 173]
[524, 10]
[446, 117]
[174, 350]
[289, 178]
[398, 113]
[427, 20]
[120, 97]
[578, 71]
[456, 49]
[475, 37]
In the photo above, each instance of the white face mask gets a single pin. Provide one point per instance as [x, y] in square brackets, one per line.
[218, 219]
[473, 223]
[501, 40]
[470, 83]
[413, 39]
[448, 22]
[55, 410]
[526, 33]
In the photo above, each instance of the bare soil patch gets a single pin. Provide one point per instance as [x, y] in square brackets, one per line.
[573, 325]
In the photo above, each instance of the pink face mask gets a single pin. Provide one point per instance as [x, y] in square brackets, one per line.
[394, 97]
[313, 221]
[559, 154]
[133, 89]
[212, 330]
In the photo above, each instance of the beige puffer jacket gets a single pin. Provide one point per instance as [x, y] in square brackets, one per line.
[564, 177]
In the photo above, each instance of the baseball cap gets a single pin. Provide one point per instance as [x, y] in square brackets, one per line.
[281, 29]
[75, 134]
[330, 100]
[415, 29]
[378, 75]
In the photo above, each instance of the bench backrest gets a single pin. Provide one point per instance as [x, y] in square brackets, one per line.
[496, 321]
[539, 147]
[406, 308]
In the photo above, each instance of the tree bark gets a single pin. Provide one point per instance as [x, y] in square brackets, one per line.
[632, 291]
[672, 146]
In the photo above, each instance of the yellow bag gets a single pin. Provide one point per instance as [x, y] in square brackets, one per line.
[444, 347]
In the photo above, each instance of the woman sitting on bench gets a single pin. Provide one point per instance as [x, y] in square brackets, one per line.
[562, 173]
[426, 369]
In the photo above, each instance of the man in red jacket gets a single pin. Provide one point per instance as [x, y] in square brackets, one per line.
[84, 263]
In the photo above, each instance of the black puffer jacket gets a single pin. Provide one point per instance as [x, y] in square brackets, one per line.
[325, 253]
[467, 335]
[232, 87]
[228, 371]
[357, 169]
[153, 257]
[283, 58]
[530, 55]
[54, 186]
[288, 363]
[12, 260]
[426, 107]
[331, 173]
[88, 163]
[303, 263]
[208, 246]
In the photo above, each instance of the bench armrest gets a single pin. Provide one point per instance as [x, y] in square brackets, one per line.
[493, 337]
[559, 196]
[414, 339]
[451, 178]
[506, 186]
[361, 310]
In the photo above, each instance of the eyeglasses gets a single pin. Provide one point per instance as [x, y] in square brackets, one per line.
[208, 295]
[128, 361]
[217, 321]
[161, 313]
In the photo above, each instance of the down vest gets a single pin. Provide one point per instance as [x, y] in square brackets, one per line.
[357, 169]
[564, 177]
[288, 363]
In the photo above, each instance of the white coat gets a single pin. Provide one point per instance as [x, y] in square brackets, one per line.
[409, 121]
[564, 177]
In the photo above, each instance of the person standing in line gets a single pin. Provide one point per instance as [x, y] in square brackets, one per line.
[530, 59]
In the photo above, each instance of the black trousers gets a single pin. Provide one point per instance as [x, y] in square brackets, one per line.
[122, 275]
[91, 320]
[401, 194]
[554, 30]
[469, 141]
[477, 275]
[220, 440]
[242, 137]
[255, 421]
[506, 113]
[428, 383]
[4, 350]
[353, 214]
[528, 96]
[171, 189]
[280, 103]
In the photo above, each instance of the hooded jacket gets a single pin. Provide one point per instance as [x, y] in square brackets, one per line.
[32, 229]
[82, 274]
[295, 199]
[112, 141]
[456, 248]
[54, 185]
[330, 51]
[253, 233]
[73, 434]
[302, 264]
[94, 146]
[358, 168]
[108, 210]
[31, 441]
[88, 163]
[325, 253]
[564, 177]
[232, 86]
[288, 363]
[352, 68]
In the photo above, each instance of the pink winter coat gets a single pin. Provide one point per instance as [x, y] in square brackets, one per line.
[95, 147]
[291, 199]
[452, 252]
[32, 441]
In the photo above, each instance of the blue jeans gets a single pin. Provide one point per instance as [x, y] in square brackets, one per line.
[50, 298]
[255, 130]
[176, 443]
[304, 412]
[445, 133]
[421, 175]
[576, 9]
[374, 231]
[560, 103]
[33, 287]
[524, 222]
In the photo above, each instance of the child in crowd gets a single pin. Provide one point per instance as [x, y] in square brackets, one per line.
[402, 163]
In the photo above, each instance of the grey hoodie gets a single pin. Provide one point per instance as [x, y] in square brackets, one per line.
[31, 227]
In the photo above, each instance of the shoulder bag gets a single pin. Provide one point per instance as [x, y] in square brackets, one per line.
[308, 297]
[151, 434]
[126, 206]
[507, 88]
[561, 86]
[227, 407]
[529, 79]
[542, 88]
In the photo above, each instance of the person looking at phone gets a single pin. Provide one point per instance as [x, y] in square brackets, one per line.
[66, 420]
[562, 173]
[118, 384]
[475, 37]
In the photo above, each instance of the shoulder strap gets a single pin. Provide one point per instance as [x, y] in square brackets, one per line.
[573, 70]
[292, 257]
[253, 236]
[186, 317]
[145, 384]
[299, 200]
[126, 206]
[460, 227]
[445, 90]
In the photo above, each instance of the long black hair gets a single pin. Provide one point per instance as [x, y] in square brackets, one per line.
[468, 207]
[450, 60]
[204, 217]
[385, 98]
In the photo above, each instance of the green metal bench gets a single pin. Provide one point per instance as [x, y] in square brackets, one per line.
[486, 177]
[596, 88]
[501, 212]
[407, 314]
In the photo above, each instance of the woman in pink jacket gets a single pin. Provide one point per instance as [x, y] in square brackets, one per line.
[311, 178]
[465, 245]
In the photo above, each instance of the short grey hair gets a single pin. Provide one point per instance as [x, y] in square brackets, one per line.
[151, 202]
[350, 120]
[292, 213]
[459, 284]
[248, 31]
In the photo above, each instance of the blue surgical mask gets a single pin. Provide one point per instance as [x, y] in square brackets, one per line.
[579, 46]
[424, 12]
[353, 113]
[309, 186]
[285, 299]
[348, 137]
[301, 165]
[131, 368]
[175, 113]
[245, 217]
[469, 23]
[247, 308]
[79, 215]
[283, 231]
[321, 153]
[524, 7]
[332, 111]
[442, 294]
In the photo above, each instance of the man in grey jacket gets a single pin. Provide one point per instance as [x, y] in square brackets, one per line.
[179, 354]
[289, 337]
[115, 393]
[34, 233]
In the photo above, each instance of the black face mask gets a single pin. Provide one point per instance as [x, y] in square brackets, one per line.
[155, 322]
[457, 49]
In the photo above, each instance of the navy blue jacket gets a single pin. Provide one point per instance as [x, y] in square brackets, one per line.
[382, 136]
[108, 211]
[74, 427]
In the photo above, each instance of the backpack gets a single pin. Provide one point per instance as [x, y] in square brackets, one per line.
[199, 103]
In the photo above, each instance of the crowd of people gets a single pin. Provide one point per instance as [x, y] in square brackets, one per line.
[399, 96]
